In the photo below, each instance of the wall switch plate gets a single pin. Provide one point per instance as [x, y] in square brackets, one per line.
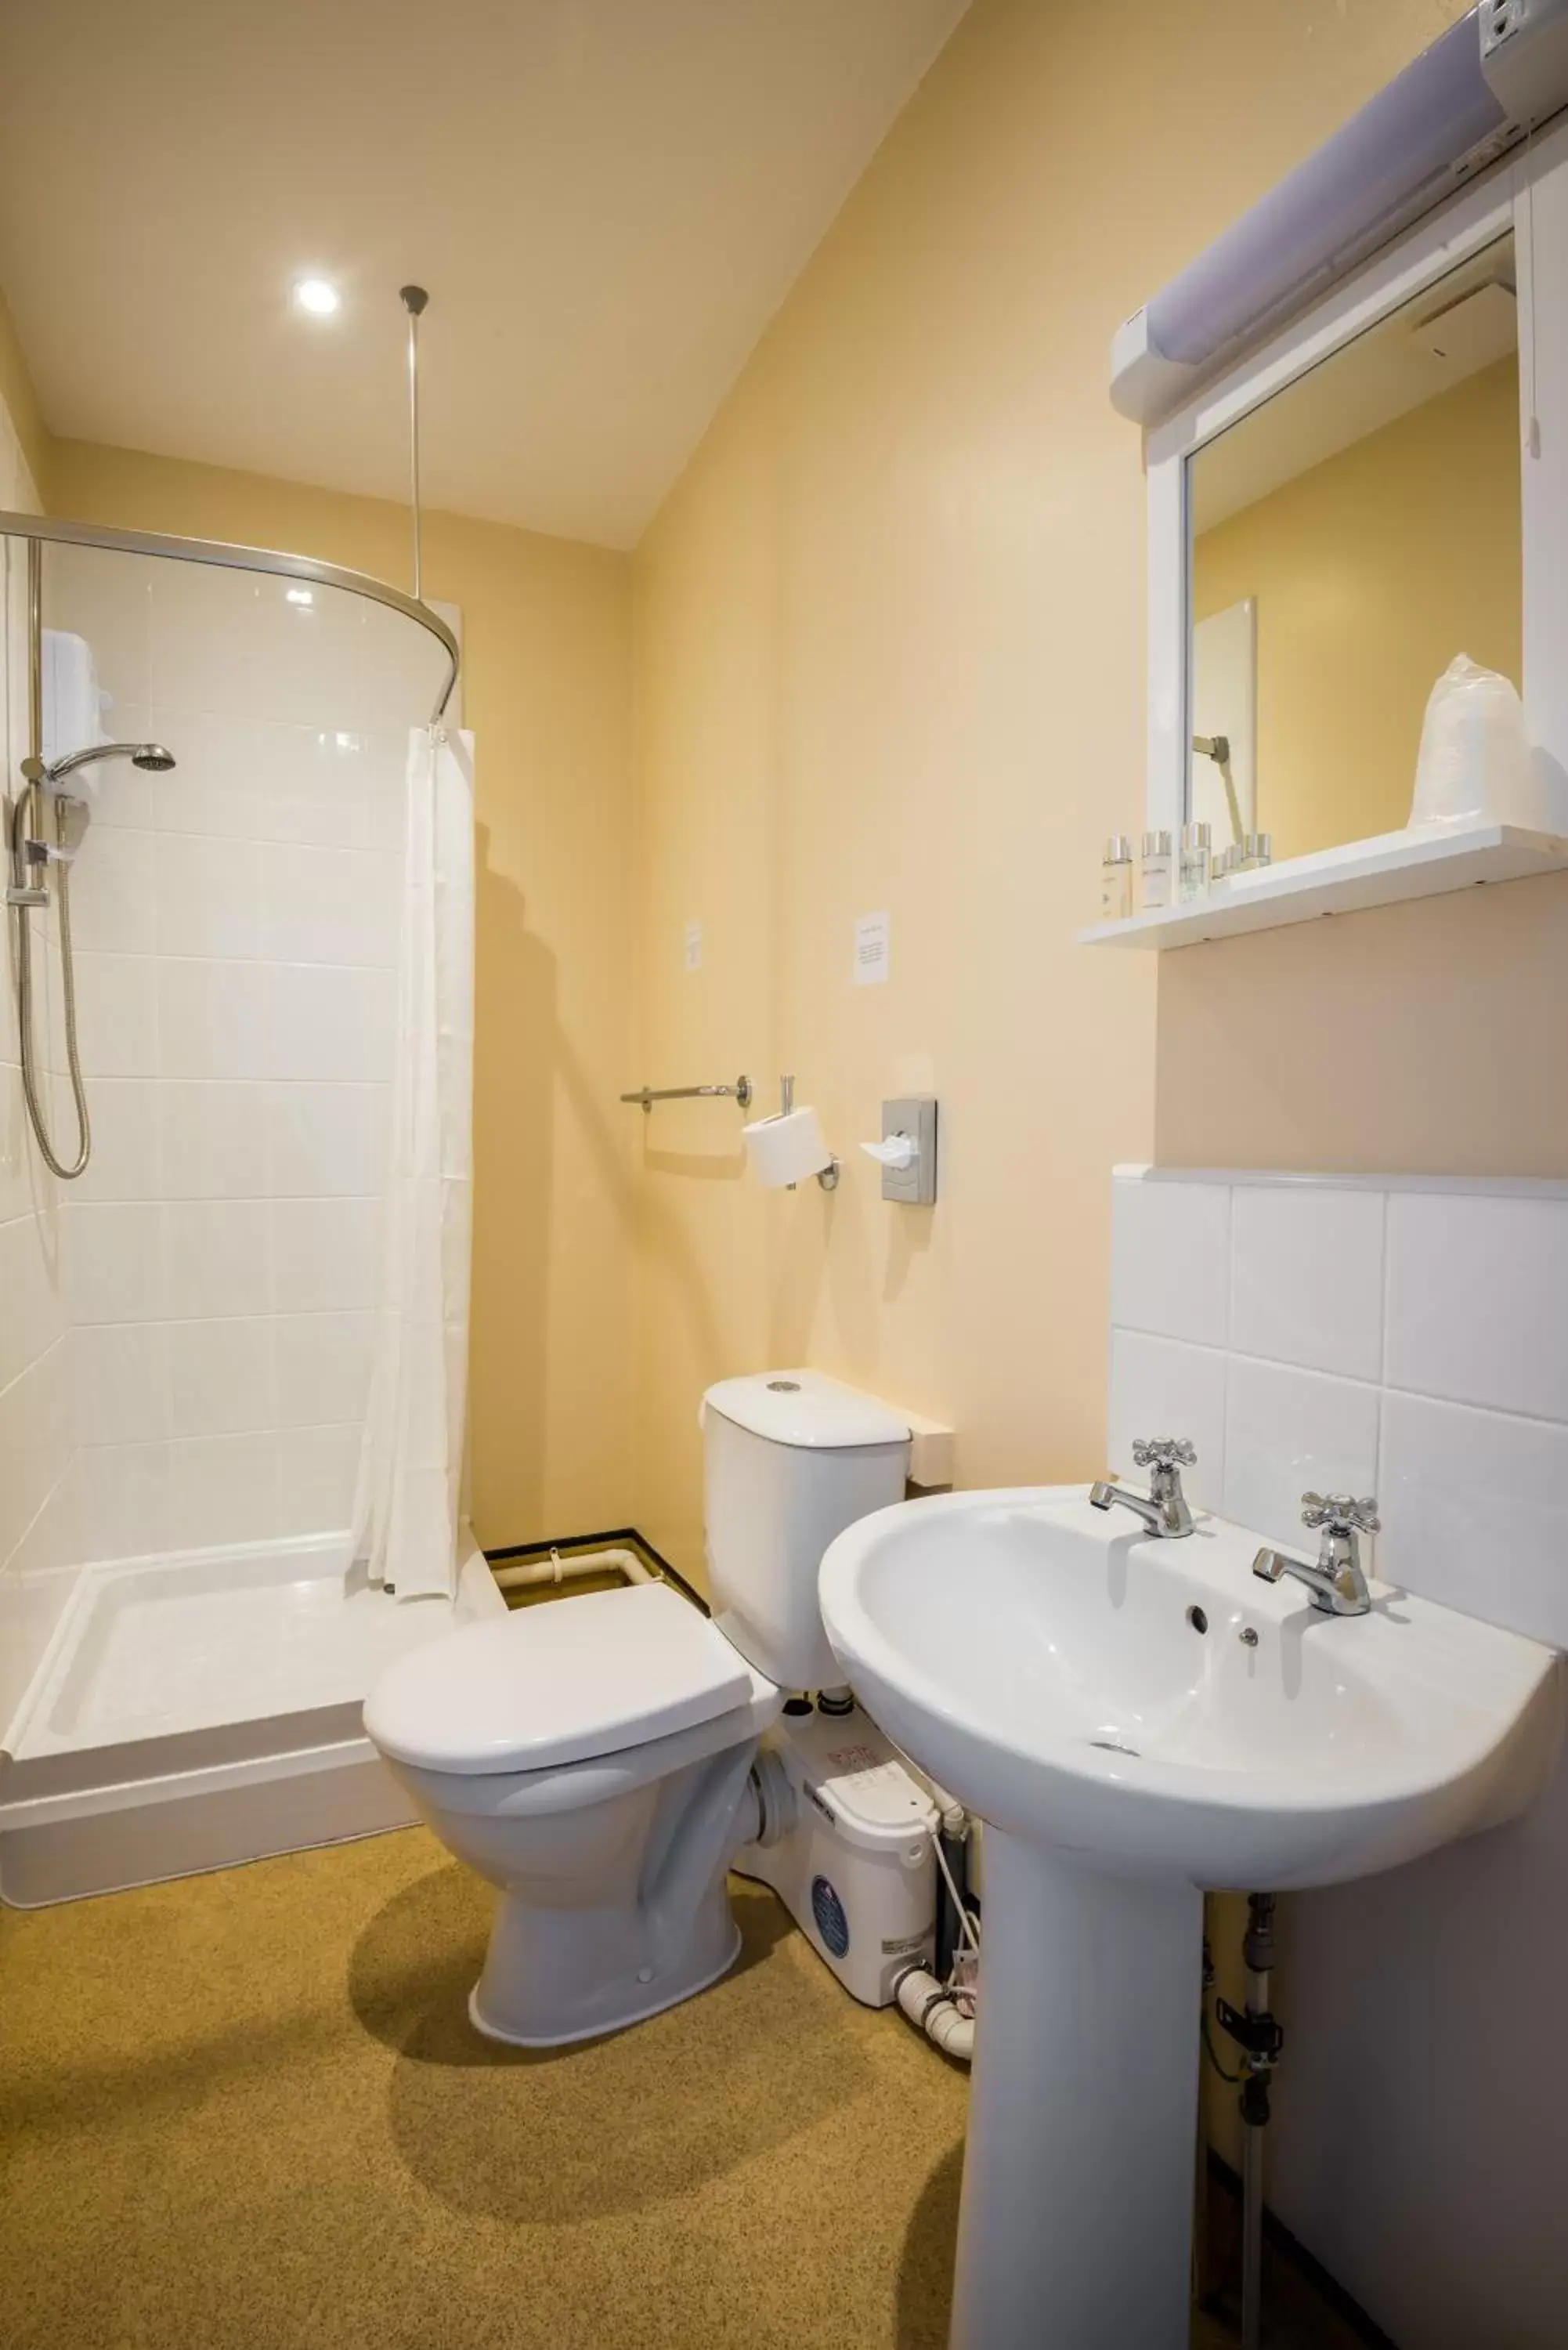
[916, 1115]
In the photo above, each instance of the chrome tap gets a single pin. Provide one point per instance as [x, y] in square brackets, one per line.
[1336, 1584]
[1163, 1508]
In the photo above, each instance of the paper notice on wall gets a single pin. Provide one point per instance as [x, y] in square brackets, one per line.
[693, 946]
[873, 949]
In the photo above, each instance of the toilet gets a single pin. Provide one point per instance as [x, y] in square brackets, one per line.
[594, 1758]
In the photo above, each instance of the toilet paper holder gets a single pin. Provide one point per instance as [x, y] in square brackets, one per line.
[827, 1176]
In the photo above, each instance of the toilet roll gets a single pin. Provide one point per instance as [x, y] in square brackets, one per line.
[788, 1149]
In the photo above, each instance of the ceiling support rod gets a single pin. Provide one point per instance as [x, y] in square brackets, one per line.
[414, 299]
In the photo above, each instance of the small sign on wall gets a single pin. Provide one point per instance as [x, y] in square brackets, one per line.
[693, 946]
[873, 949]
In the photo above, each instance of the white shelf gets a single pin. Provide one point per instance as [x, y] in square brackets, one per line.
[1383, 871]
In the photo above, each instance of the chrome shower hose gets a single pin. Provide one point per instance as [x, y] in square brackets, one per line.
[68, 1173]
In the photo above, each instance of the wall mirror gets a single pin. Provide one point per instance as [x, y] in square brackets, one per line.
[1347, 538]
[1374, 489]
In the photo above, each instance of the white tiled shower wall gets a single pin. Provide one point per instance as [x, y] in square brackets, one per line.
[1402, 1338]
[38, 1551]
[235, 933]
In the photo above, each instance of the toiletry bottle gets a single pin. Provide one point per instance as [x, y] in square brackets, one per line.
[1117, 879]
[1192, 878]
[1257, 849]
[1156, 875]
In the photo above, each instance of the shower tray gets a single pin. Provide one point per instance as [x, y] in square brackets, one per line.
[202, 1710]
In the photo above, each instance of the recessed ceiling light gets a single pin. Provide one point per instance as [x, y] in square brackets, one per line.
[318, 295]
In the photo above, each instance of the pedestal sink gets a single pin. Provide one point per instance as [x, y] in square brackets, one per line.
[1137, 1720]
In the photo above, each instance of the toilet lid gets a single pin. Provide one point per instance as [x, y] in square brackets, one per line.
[546, 1685]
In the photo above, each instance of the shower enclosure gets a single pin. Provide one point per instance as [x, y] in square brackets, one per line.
[231, 1341]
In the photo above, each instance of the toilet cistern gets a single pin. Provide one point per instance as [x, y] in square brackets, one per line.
[1163, 1508]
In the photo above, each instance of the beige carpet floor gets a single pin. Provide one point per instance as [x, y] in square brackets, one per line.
[247, 2112]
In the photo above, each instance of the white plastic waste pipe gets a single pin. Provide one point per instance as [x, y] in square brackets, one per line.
[559, 1569]
[936, 2013]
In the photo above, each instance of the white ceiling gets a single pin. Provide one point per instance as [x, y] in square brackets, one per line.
[607, 200]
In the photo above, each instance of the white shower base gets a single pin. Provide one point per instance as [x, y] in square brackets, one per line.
[202, 1710]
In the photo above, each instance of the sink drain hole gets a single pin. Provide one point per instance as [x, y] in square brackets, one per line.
[1196, 1618]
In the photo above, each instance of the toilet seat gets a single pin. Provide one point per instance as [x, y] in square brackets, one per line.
[600, 1778]
[556, 1685]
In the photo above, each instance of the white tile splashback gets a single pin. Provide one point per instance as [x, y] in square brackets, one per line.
[1478, 1301]
[1287, 1432]
[1405, 1336]
[1170, 1260]
[1162, 1386]
[1306, 1277]
[1461, 1486]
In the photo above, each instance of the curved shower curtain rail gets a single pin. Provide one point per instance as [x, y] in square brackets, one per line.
[241, 558]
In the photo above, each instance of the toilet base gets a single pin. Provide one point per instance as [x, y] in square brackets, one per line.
[660, 1996]
[555, 1975]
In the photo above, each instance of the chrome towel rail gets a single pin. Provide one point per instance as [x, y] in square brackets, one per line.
[645, 1096]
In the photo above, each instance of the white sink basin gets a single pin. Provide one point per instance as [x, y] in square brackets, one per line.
[1040, 1658]
[1045, 1663]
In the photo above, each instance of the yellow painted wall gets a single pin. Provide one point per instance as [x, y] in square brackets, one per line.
[547, 683]
[890, 653]
[1372, 570]
[20, 401]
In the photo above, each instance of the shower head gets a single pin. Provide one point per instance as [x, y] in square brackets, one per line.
[151, 758]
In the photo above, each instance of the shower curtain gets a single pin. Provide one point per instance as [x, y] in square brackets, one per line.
[407, 1504]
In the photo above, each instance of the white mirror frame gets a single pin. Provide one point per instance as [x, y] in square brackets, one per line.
[1528, 192]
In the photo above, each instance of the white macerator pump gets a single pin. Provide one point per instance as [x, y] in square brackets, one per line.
[849, 1849]
[846, 1832]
